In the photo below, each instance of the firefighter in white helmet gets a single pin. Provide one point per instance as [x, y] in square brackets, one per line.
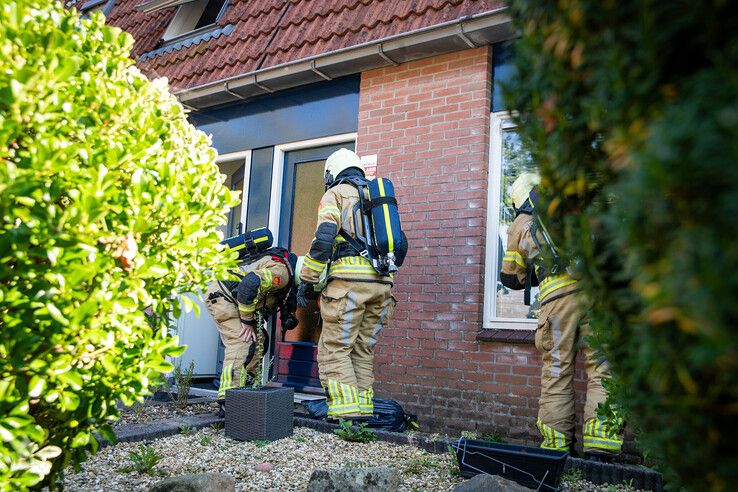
[531, 259]
[356, 303]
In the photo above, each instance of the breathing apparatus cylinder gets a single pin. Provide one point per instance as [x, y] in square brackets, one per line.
[251, 244]
[385, 221]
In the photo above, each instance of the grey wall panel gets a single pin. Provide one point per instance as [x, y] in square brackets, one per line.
[318, 110]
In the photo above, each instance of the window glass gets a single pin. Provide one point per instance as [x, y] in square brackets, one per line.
[515, 161]
[210, 14]
[503, 69]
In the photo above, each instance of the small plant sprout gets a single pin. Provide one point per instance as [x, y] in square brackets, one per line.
[358, 433]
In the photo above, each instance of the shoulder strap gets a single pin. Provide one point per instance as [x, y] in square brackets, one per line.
[358, 247]
[352, 180]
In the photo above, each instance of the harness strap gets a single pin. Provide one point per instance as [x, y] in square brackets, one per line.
[383, 200]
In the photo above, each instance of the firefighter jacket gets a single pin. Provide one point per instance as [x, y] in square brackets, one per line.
[262, 286]
[335, 213]
[521, 255]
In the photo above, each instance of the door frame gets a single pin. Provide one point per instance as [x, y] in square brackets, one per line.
[275, 209]
[275, 202]
[246, 156]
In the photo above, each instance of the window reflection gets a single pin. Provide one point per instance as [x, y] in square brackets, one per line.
[515, 161]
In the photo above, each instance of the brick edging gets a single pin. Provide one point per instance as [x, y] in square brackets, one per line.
[160, 428]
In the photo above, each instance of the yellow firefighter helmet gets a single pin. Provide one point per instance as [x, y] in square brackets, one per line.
[520, 189]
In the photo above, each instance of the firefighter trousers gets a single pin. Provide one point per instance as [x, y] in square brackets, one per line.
[236, 363]
[560, 333]
[353, 315]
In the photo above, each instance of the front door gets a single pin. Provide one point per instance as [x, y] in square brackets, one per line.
[303, 187]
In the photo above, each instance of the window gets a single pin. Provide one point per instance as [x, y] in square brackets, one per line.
[192, 16]
[504, 308]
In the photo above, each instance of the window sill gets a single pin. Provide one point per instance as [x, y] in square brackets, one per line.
[503, 335]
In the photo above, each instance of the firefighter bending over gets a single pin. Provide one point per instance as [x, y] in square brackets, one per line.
[530, 258]
[266, 276]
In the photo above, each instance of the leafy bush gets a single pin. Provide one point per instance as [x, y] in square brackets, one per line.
[109, 204]
[631, 108]
[354, 433]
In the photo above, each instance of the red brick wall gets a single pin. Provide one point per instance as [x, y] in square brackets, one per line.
[428, 123]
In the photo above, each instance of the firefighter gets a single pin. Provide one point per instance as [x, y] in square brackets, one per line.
[561, 327]
[265, 282]
[357, 301]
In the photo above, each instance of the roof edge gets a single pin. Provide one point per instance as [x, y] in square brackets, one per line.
[464, 33]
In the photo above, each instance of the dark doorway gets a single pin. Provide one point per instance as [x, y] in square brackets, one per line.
[303, 187]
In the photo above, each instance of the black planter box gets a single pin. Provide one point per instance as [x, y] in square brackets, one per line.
[259, 414]
[537, 468]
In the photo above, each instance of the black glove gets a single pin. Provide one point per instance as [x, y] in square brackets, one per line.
[305, 291]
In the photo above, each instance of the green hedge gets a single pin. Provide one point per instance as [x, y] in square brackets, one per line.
[631, 107]
[109, 205]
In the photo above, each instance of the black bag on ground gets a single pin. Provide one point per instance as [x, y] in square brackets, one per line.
[388, 414]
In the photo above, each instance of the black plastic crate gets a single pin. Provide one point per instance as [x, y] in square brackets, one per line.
[536, 468]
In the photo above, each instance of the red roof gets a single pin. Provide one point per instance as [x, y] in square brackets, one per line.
[266, 33]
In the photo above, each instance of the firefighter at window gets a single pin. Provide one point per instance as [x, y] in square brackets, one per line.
[265, 284]
[357, 301]
[531, 257]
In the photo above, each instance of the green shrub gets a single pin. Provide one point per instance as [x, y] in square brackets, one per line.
[109, 204]
[631, 108]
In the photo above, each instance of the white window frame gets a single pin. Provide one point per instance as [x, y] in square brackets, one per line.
[246, 156]
[499, 122]
[275, 203]
[188, 13]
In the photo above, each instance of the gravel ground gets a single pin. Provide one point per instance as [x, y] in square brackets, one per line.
[141, 414]
[293, 461]
[572, 482]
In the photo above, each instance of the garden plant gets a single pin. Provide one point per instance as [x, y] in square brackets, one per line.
[631, 109]
[110, 202]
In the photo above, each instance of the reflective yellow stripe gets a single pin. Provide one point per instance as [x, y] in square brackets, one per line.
[343, 398]
[240, 246]
[247, 309]
[330, 210]
[385, 208]
[266, 280]
[550, 284]
[602, 443]
[515, 257]
[261, 239]
[314, 265]
[552, 439]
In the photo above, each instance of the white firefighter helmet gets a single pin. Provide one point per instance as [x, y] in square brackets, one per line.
[321, 281]
[520, 189]
[339, 161]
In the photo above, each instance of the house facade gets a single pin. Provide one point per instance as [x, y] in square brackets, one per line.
[413, 87]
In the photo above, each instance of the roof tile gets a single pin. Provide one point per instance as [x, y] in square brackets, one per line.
[267, 33]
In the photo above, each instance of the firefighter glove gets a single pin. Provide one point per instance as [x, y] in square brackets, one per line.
[304, 292]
